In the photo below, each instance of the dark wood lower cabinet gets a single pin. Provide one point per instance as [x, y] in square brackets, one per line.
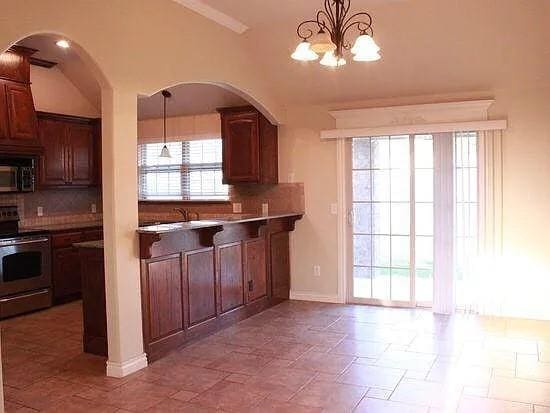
[195, 282]
[255, 268]
[66, 274]
[93, 300]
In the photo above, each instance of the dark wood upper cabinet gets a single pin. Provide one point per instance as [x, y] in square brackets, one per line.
[70, 151]
[21, 114]
[52, 168]
[18, 123]
[249, 147]
[81, 151]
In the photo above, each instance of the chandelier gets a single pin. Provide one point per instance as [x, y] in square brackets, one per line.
[326, 36]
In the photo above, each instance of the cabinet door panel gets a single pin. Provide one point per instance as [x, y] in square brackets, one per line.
[255, 268]
[241, 148]
[21, 115]
[53, 171]
[280, 264]
[80, 140]
[201, 285]
[4, 131]
[66, 277]
[165, 297]
[231, 276]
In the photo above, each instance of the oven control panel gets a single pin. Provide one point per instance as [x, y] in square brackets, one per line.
[8, 213]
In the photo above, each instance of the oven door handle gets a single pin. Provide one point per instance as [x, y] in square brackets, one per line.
[21, 242]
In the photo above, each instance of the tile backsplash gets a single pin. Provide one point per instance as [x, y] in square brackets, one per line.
[74, 205]
[59, 206]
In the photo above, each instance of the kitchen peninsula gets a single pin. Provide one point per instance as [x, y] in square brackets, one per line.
[200, 276]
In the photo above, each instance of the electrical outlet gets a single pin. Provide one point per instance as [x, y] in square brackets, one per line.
[265, 209]
[316, 270]
[40, 211]
[334, 209]
[237, 208]
[94, 208]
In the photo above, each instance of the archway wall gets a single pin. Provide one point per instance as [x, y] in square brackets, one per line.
[144, 45]
[135, 47]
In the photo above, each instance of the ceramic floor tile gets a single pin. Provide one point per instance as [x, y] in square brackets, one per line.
[332, 397]
[369, 405]
[240, 363]
[273, 406]
[79, 405]
[520, 390]
[360, 348]
[228, 396]
[529, 367]
[428, 394]
[371, 376]
[484, 405]
[323, 362]
[407, 360]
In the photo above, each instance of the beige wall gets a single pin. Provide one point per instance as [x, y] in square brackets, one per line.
[526, 170]
[53, 92]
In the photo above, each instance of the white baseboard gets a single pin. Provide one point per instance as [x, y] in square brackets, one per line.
[312, 296]
[115, 369]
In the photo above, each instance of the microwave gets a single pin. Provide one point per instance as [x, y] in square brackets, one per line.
[17, 176]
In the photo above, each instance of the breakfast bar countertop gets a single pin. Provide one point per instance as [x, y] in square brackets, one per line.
[212, 222]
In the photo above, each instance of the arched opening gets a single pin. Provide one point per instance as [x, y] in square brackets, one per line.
[67, 115]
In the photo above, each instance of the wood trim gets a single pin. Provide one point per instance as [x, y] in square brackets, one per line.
[35, 61]
[66, 118]
[415, 129]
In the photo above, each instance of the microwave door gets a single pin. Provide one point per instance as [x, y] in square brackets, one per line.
[8, 179]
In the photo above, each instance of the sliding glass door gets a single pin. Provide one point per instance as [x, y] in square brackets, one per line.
[392, 219]
[408, 194]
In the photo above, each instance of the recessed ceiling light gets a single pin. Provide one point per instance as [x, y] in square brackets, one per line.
[64, 44]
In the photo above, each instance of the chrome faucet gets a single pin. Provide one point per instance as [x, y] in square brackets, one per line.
[187, 214]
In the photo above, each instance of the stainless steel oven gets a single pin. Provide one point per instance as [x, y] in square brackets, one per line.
[25, 274]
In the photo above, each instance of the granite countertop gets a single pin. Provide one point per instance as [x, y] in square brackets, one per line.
[65, 226]
[213, 222]
[89, 244]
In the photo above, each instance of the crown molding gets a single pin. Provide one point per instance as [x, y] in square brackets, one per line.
[215, 15]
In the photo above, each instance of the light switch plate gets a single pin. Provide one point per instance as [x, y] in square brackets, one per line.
[94, 208]
[237, 208]
[316, 270]
[334, 209]
[265, 209]
[40, 211]
[291, 177]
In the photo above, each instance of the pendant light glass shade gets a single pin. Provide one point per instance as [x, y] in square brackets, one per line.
[165, 153]
[322, 43]
[365, 45]
[304, 53]
[330, 60]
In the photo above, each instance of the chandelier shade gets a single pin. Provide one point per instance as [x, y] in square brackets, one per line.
[328, 35]
[304, 53]
[330, 60]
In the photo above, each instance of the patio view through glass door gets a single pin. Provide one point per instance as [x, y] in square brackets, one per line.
[393, 213]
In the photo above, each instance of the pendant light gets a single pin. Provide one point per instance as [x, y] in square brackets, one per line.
[164, 153]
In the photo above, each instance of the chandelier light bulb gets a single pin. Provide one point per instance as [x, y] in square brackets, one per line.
[330, 60]
[304, 53]
[365, 45]
[322, 43]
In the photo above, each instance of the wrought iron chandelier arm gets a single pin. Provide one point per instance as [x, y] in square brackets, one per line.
[305, 32]
[362, 26]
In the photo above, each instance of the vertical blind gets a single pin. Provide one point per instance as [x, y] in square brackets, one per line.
[194, 171]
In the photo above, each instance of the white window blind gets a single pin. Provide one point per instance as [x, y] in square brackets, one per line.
[194, 171]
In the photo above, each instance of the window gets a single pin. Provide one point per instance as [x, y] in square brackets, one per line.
[194, 172]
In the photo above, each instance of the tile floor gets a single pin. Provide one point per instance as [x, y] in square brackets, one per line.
[296, 357]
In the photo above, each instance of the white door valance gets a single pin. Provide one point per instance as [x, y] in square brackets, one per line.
[414, 119]
[180, 128]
